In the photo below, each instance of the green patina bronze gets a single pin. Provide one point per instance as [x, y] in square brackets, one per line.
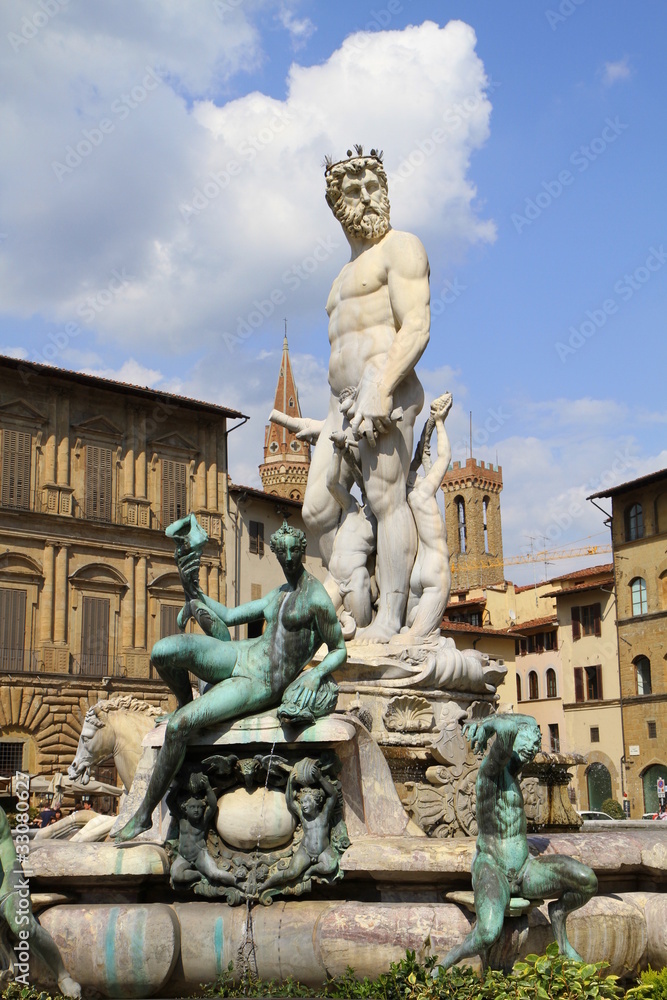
[503, 867]
[248, 675]
[17, 916]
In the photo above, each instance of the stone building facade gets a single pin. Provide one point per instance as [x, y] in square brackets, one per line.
[92, 471]
[538, 678]
[474, 530]
[586, 617]
[639, 537]
[252, 569]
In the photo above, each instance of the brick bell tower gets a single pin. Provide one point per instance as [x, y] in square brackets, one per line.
[286, 459]
[472, 516]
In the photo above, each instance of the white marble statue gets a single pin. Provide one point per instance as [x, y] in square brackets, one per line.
[431, 579]
[379, 322]
[349, 583]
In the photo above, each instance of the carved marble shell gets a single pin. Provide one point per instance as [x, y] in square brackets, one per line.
[408, 714]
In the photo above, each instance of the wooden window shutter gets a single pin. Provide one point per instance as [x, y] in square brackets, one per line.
[174, 490]
[576, 624]
[599, 679]
[168, 623]
[95, 635]
[16, 451]
[578, 683]
[597, 616]
[256, 538]
[12, 628]
[99, 479]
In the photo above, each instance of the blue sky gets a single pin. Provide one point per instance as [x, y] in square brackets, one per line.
[161, 181]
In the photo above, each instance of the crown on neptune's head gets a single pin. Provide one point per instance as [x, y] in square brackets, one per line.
[375, 154]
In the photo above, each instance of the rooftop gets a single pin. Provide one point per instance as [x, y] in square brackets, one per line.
[579, 574]
[263, 495]
[578, 587]
[32, 369]
[447, 626]
[632, 484]
[535, 623]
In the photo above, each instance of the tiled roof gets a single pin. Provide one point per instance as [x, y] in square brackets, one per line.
[447, 626]
[262, 495]
[578, 574]
[652, 477]
[535, 622]
[470, 602]
[581, 587]
[28, 368]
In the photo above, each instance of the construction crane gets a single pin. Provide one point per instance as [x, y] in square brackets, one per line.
[544, 555]
[549, 554]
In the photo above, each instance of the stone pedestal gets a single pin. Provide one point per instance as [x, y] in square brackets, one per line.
[371, 804]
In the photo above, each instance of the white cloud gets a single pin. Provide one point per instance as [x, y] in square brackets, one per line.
[14, 352]
[210, 208]
[615, 71]
[130, 371]
[300, 28]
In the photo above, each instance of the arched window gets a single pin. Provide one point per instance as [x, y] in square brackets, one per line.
[551, 683]
[532, 686]
[485, 517]
[634, 522]
[643, 672]
[650, 783]
[461, 518]
[598, 780]
[518, 688]
[638, 591]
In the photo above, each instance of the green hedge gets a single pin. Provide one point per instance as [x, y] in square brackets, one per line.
[546, 977]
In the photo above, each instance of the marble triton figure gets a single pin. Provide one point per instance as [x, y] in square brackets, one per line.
[246, 675]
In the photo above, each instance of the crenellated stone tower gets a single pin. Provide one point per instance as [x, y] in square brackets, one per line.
[286, 459]
[472, 515]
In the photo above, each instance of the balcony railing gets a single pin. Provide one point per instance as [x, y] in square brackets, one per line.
[33, 501]
[36, 503]
[118, 514]
[96, 665]
[17, 661]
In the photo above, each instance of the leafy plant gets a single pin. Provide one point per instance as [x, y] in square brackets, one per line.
[613, 809]
[552, 976]
[652, 986]
[14, 991]
[546, 977]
